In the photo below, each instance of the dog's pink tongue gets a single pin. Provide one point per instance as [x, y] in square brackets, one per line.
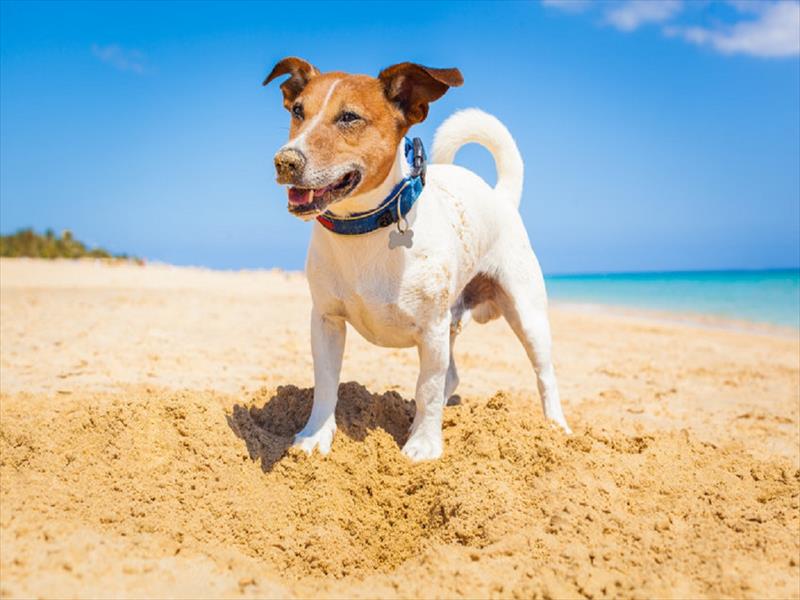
[299, 196]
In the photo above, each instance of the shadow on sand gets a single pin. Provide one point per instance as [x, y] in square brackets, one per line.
[268, 431]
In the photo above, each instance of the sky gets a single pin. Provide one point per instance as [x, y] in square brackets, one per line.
[658, 135]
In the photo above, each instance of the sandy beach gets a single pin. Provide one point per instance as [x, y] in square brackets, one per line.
[146, 414]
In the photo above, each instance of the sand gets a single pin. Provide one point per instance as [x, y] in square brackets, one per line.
[146, 415]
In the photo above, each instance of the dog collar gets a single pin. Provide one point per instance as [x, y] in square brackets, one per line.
[396, 205]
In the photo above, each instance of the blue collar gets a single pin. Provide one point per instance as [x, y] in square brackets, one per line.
[401, 199]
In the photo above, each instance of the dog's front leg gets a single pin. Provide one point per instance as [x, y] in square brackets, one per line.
[327, 348]
[425, 441]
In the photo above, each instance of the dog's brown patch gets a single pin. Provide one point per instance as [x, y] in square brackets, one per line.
[481, 296]
[481, 288]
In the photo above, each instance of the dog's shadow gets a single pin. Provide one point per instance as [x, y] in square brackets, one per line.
[269, 431]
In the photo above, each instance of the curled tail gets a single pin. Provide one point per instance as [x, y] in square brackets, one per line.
[473, 125]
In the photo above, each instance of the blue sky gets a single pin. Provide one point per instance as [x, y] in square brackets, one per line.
[656, 135]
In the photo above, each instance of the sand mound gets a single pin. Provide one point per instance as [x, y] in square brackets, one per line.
[154, 491]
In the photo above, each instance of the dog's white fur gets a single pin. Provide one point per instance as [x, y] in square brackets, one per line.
[413, 297]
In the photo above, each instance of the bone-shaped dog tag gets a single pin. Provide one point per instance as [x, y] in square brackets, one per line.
[401, 238]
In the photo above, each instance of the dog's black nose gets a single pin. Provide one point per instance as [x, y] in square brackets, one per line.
[289, 165]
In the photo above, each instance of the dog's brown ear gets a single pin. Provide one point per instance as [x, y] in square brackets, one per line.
[301, 73]
[412, 87]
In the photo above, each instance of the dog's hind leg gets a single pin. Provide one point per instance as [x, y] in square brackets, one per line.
[460, 318]
[451, 383]
[524, 305]
[425, 440]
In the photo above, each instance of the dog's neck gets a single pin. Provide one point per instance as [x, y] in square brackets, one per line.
[372, 198]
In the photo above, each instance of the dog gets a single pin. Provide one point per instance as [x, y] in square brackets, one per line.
[406, 253]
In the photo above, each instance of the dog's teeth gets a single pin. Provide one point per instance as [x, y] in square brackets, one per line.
[310, 196]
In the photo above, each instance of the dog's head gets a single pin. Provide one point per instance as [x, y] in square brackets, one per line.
[345, 129]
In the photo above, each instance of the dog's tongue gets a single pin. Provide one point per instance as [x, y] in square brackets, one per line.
[300, 196]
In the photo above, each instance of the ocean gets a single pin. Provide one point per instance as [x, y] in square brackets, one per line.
[769, 297]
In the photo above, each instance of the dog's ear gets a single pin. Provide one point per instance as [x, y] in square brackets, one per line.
[412, 87]
[301, 73]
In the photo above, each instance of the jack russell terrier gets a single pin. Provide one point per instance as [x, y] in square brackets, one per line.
[406, 254]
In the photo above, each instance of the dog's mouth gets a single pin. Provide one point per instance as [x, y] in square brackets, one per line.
[311, 201]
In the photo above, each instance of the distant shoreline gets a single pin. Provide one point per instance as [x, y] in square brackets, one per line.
[769, 297]
[603, 274]
[697, 320]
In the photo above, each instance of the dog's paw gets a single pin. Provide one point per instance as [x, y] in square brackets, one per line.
[321, 438]
[562, 424]
[423, 446]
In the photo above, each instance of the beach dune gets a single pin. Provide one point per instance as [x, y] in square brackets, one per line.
[147, 412]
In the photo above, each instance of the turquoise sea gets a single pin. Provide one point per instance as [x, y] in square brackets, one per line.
[771, 297]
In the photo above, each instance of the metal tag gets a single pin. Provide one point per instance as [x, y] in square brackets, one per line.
[401, 238]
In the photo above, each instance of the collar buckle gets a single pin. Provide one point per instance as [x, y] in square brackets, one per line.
[419, 162]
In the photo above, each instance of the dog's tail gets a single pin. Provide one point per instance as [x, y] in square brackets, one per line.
[473, 125]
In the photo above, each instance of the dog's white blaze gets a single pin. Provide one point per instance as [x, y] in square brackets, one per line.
[299, 143]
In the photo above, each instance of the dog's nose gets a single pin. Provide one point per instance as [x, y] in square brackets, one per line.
[289, 164]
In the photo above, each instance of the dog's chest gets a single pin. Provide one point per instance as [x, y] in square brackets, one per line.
[391, 306]
[382, 311]
[380, 324]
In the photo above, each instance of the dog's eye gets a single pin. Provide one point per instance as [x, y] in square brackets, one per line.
[348, 117]
[297, 112]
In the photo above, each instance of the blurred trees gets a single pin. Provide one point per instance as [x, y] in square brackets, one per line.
[26, 242]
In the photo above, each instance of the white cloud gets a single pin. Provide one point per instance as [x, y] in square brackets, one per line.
[120, 58]
[764, 28]
[775, 32]
[571, 6]
[751, 6]
[630, 15]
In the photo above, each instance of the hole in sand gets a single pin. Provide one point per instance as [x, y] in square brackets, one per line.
[364, 507]
[268, 431]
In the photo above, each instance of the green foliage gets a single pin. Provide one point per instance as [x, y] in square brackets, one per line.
[26, 242]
